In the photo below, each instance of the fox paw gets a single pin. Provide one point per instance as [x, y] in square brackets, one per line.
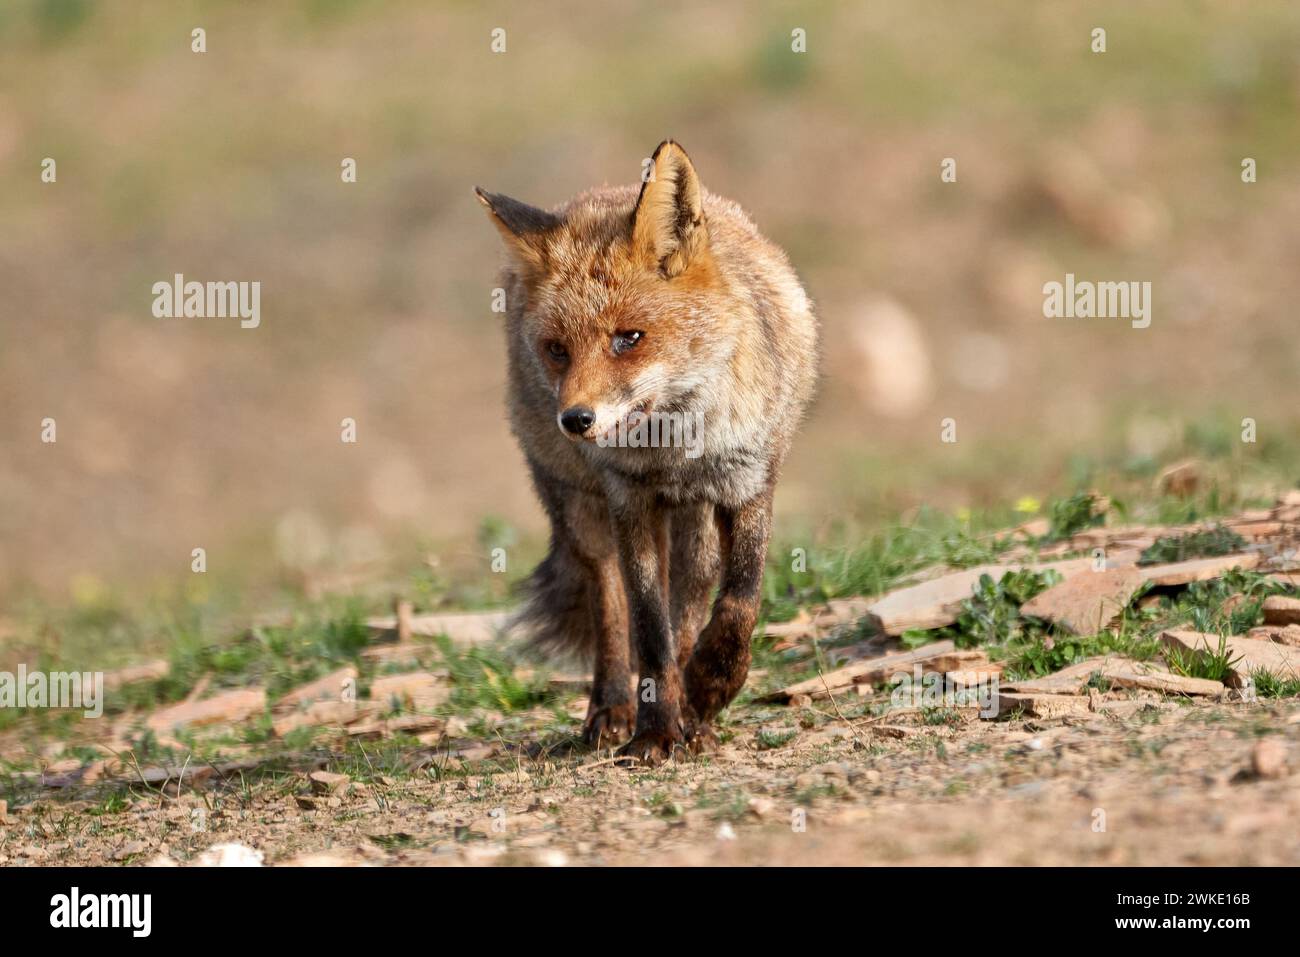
[654, 747]
[701, 739]
[707, 695]
[609, 724]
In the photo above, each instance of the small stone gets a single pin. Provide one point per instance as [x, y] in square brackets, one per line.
[1283, 635]
[1268, 758]
[805, 781]
[130, 849]
[230, 855]
[326, 782]
[1181, 479]
[833, 770]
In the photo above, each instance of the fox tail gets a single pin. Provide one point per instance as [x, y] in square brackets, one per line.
[556, 619]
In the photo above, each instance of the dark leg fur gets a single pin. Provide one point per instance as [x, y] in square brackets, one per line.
[693, 573]
[611, 716]
[577, 605]
[718, 667]
[640, 530]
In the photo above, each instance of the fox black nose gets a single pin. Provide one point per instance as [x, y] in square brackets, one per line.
[577, 419]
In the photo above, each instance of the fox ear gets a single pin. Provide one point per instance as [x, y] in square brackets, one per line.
[668, 226]
[523, 227]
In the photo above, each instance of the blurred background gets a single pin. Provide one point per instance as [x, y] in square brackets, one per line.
[176, 434]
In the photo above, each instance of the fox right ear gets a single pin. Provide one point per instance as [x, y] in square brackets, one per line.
[523, 227]
[668, 224]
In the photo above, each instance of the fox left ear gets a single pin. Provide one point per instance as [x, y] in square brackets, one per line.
[668, 226]
[525, 228]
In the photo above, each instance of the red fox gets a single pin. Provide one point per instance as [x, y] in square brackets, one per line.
[661, 355]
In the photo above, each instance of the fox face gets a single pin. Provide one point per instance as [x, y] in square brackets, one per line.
[625, 314]
[613, 345]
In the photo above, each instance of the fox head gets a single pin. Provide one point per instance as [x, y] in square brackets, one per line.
[624, 304]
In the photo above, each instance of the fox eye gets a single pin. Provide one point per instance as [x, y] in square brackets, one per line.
[557, 351]
[623, 341]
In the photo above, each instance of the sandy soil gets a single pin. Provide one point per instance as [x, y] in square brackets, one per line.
[1168, 783]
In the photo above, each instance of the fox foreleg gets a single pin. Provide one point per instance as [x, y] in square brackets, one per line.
[718, 667]
[640, 528]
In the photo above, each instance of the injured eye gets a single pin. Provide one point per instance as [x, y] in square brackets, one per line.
[623, 341]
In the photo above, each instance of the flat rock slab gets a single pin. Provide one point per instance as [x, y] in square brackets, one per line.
[417, 691]
[1121, 672]
[1257, 531]
[1165, 682]
[1069, 680]
[936, 603]
[324, 714]
[796, 629]
[581, 684]
[1041, 705]
[1282, 634]
[1087, 603]
[1199, 569]
[329, 688]
[149, 671]
[471, 628]
[869, 670]
[227, 707]
[404, 654]
[1249, 654]
[1280, 610]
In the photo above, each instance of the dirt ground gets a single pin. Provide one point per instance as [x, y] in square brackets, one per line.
[1158, 782]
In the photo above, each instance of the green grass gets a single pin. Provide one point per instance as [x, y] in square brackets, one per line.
[1040, 656]
[486, 677]
[991, 616]
[1215, 664]
[945, 717]
[1202, 606]
[1069, 516]
[280, 657]
[801, 574]
[881, 560]
[770, 740]
[1269, 685]
[1205, 606]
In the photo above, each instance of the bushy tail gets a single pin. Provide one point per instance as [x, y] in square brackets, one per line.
[556, 619]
